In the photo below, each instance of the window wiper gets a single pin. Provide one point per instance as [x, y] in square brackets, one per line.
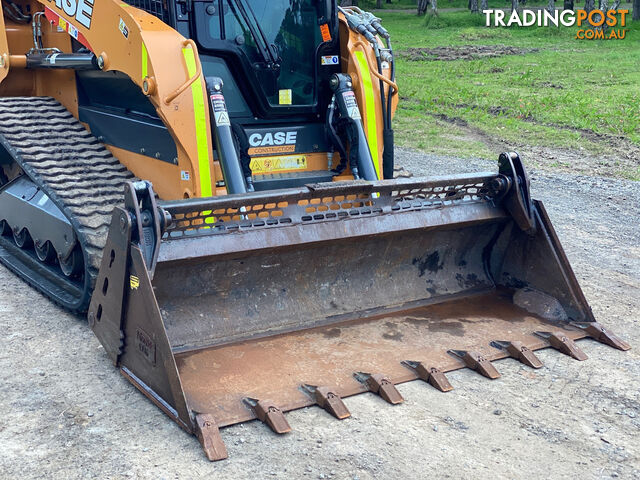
[271, 49]
[266, 52]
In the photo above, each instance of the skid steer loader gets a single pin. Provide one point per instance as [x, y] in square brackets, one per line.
[211, 182]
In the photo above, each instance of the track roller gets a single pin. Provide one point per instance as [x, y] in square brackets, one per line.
[73, 265]
[22, 238]
[45, 252]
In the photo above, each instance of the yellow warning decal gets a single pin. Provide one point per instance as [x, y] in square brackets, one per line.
[371, 124]
[286, 97]
[145, 62]
[134, 282]
[278, 164]
[202, 127]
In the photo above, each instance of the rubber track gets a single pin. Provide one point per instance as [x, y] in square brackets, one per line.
[72, 167]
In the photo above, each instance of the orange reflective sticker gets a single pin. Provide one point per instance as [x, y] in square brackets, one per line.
[326, 33]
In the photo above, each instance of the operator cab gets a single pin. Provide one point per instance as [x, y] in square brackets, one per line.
[273, 49]
[275, 58]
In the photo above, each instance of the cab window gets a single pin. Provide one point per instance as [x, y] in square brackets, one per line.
[288, 27]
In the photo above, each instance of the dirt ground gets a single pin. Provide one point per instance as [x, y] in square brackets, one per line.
[69, 414]
[621, 157]
[463, 52]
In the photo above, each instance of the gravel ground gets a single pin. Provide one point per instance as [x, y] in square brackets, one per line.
[69, 414]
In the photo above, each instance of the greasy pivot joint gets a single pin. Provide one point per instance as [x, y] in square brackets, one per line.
[518, 200]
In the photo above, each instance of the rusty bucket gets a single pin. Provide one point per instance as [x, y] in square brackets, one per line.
[243, 307]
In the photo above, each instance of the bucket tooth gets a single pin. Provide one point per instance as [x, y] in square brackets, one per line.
[380, 384]
[603, 335]
[477, 362]
[209, 437]
[520, 352]
[327, 399]
[434, 376]
[563, 344]
[270, 414]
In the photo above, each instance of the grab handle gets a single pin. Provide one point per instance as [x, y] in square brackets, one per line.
[180, 90]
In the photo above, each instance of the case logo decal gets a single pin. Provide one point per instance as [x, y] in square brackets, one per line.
[82, 10]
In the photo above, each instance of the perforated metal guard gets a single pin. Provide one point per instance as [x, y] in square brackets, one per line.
[159, 8]
[321, 203]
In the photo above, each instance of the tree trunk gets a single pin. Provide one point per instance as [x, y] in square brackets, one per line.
[551, 6]
[636, 10]
[379, 4]
[422, 6]
[434, 7]
[604, 7]
[589, 5]
[514, 5]
[483, 5]
[474, 6]
[568, 4]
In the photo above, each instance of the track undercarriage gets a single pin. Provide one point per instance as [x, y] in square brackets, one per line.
[58, 188]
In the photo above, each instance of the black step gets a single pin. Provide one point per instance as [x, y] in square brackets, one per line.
[276, 181]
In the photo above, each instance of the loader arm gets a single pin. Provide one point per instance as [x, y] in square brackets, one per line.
[4, 51]
[163, 63]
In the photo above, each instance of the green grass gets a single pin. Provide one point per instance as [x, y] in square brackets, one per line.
[632, 174]
[549, 97]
